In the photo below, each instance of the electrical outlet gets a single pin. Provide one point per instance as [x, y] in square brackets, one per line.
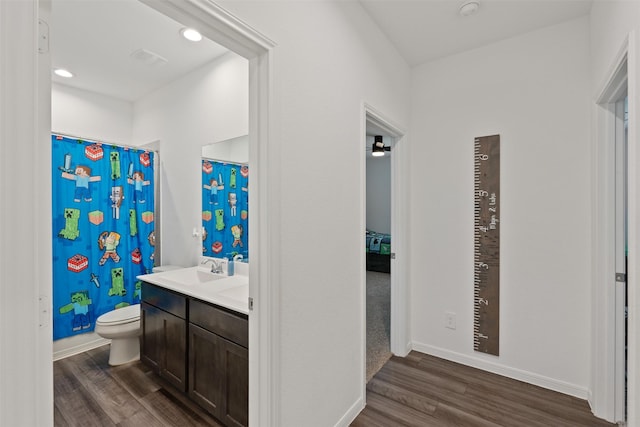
[449, 320]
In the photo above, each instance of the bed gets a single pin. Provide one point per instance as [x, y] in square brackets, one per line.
[378, 249]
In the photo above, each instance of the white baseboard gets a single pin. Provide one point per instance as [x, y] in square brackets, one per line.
[351, 414]
[408, 349]
[506, 371]
[77, 344]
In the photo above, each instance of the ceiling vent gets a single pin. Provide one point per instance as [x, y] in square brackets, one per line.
[149, 58]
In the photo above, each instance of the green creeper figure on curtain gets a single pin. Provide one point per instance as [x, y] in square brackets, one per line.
[70, 230]
[79, 304]
[133, 223]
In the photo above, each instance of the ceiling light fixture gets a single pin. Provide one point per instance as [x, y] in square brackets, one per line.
[469, 8]
[191, 34]
[378, 148]
[63, 73]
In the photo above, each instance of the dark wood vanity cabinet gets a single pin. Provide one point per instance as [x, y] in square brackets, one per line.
[219, 362]
[200, 348]
[163, 342]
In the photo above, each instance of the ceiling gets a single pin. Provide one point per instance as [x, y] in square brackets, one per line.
[95, 38]
[424, 30]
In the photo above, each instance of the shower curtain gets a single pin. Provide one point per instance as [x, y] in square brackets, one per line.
[225, 209]
[103, 228]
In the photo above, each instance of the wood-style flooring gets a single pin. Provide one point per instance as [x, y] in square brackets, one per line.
[422, 390]
[89, 392]
[418, 390]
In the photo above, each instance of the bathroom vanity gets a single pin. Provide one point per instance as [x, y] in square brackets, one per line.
[197, 343]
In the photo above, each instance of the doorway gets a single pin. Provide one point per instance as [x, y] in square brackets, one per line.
[221, 27]
[378, 251]
[374, 123]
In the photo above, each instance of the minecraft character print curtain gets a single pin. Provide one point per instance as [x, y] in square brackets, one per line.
[225, 209]
[103, 230]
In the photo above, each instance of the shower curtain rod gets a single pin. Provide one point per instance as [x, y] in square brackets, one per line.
[225, 161]
[110, 144]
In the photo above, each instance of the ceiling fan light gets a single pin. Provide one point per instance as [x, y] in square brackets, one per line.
[377, 149]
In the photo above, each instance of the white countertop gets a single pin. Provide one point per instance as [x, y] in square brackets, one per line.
[198, 282]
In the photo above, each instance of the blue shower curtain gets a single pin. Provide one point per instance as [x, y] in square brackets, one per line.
[225, 209]
[103, 228]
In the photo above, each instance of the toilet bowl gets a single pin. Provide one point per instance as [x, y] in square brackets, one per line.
[122, 327]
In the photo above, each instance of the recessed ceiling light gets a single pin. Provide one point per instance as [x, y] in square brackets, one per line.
[469, 8]
[191, 34]
[63, 73]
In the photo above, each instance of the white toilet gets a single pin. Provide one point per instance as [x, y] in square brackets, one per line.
[122, 327]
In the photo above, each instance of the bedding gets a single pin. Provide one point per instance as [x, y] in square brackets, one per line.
[378, 249]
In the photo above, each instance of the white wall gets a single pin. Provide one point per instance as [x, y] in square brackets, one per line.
[90, 115]
[207, 105]
[329, 59]
[611, 24]
[533, 91]
[379, 193]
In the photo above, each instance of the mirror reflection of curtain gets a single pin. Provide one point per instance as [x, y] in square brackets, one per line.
[225, 209]
[103, 228]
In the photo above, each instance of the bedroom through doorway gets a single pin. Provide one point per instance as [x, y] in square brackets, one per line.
[378, 250]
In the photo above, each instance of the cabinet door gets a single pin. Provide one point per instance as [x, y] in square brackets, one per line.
[174, 362]
[163, 344]
[150, 340]
[206, 350]
[236, 387]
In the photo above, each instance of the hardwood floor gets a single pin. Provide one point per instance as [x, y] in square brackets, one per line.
[422, 390]
[89, 392]
[418, 390]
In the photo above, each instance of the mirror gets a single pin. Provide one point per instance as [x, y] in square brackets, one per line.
[225, 199]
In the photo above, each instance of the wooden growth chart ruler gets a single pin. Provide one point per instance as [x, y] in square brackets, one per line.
[486, 288]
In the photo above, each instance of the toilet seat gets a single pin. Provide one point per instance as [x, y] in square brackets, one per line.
[121, 316]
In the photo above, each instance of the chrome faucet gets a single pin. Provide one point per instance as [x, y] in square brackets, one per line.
[216, 267]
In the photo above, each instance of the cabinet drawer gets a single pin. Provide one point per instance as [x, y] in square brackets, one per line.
[234, 327]
[165, 299]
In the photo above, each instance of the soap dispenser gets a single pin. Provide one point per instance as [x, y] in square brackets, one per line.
[230, 267]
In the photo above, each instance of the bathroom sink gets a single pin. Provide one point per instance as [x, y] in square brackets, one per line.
[199, 282]
[192, 276]
[238, 293]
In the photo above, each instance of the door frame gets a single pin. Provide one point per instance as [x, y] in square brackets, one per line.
[399, 342]
[30, 102]
[605, 397]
